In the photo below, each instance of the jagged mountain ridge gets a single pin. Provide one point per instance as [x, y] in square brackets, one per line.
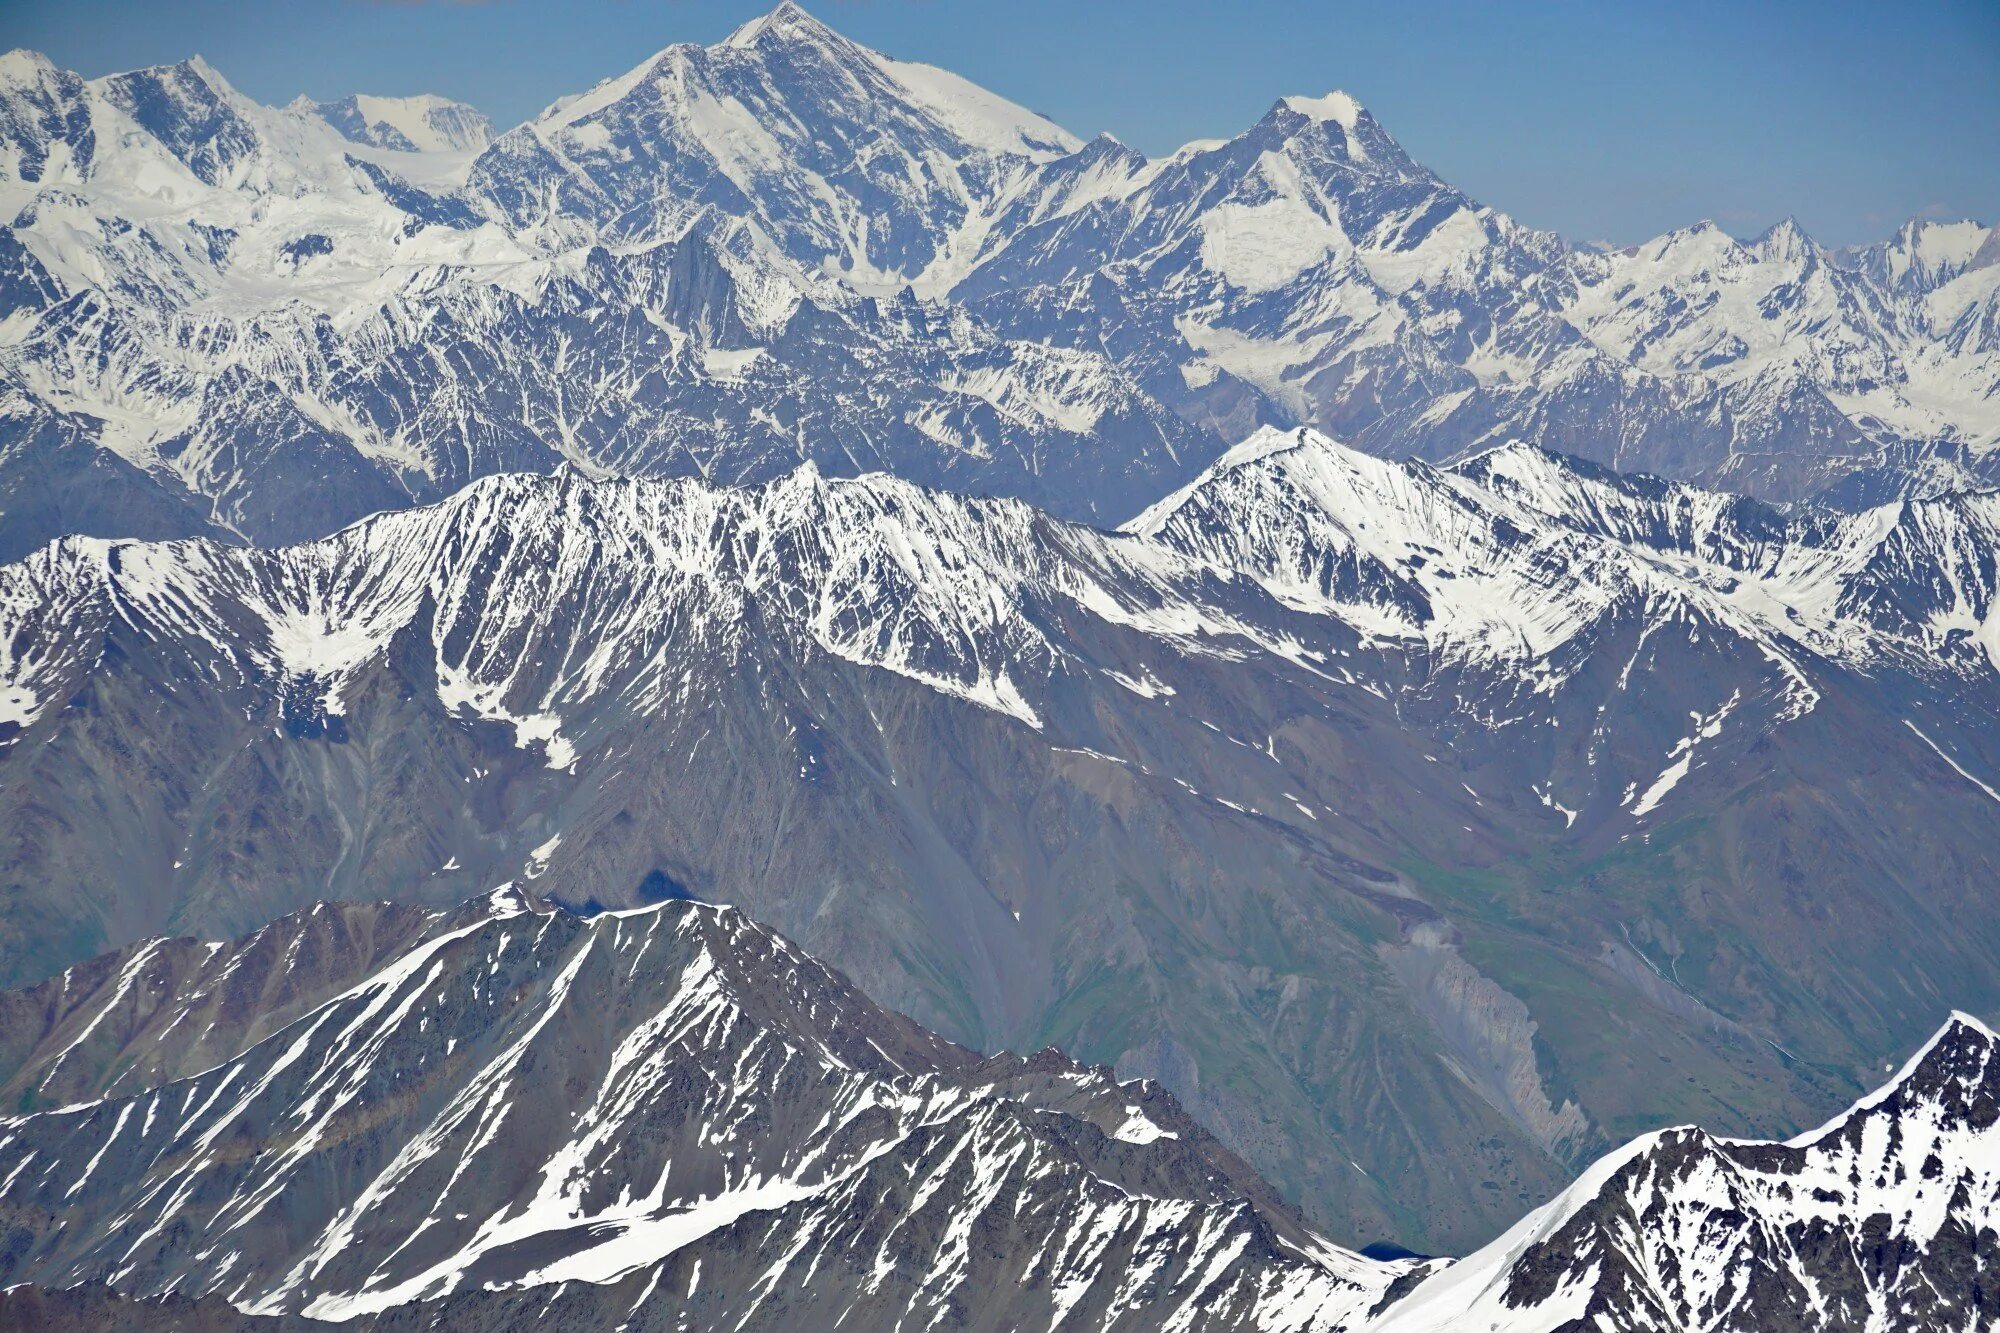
[1278, 798]
[788, 246]
[1510, 560]
[1882, 1219]
[1511, 553]
[398, 1150]
[517, 1098]
[848, 161]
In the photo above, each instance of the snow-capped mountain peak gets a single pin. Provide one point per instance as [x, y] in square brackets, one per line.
[1925, 254]
[1342, 119]
[21, 68]
[192, 111]
[1306, 128]
[21, 65]
[788, 36]
[787, 22]
[424, 123]
[1520, 555]
[1785, 240]
[794, 124]
[1954, 1077]
[1682, 1229]
[216, 295]
[1336, 106]
[42, 114]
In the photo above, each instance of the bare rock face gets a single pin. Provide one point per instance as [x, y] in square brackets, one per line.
[166, 1009]
[1489, 1038]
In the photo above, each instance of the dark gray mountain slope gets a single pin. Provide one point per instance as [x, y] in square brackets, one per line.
[668, 1116]
[669, 1119]
[1425, 830]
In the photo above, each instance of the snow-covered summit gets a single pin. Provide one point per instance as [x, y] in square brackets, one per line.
[211, 292]
[1336, 106]
[424, 123]
[786, 22]
[1925, 254]
[852, 163]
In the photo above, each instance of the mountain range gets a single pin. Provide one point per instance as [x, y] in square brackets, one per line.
[223, 318]
[1424, 830]
[505, 1113]
[1407, 714]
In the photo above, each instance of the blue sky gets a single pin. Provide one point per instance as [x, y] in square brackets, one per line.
[1605, 120]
